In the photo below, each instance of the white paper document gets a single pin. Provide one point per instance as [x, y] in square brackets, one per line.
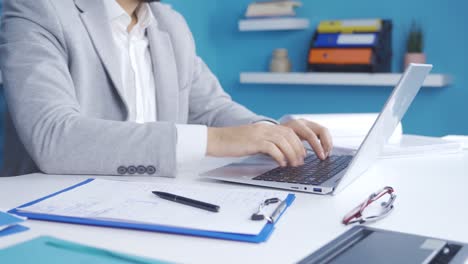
[134, 202]
[345, 125]
[350, 130]
[414, 145]
[463, 140]
[406, 146]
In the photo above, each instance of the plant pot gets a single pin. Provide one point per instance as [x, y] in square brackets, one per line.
[414, 58]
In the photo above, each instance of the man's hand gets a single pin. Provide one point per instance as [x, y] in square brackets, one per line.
[316, 135]
[282, 142]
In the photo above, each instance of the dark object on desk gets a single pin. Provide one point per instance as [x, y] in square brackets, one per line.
[341, 49]
[187, 201]
[368, 245]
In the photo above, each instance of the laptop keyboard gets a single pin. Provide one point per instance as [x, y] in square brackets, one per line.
[313, 172]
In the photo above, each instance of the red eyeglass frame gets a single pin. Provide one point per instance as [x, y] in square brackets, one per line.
[356, 215]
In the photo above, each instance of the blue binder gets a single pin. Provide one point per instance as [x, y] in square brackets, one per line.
[50, 250]
[261, 237]
[12, 224]
[13, 230]
[344, 41]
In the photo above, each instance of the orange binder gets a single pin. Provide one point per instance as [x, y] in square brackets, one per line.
[341, 56]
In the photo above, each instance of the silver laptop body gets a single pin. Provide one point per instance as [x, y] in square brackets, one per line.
[392, 113]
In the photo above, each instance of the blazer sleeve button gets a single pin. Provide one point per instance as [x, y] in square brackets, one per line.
[122, 170]
[151, 170]
[132, 170]
[141, 169]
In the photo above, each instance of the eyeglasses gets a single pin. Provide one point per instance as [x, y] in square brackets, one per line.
[357, 215]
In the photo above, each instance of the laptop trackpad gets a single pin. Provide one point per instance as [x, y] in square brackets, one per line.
[248, 168]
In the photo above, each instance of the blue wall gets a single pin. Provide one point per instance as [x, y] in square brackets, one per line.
[228, 52]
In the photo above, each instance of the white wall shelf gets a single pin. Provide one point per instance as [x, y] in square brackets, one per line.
[345, 79]
[271, 24]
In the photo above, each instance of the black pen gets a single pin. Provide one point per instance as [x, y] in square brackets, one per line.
[188, 201]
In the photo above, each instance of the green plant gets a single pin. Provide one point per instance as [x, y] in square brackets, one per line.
[415, 43]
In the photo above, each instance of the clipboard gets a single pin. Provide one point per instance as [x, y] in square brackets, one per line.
[261, 237]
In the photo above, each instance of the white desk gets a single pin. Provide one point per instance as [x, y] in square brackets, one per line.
[432, 200]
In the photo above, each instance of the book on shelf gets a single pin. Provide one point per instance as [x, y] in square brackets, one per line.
[272, 9]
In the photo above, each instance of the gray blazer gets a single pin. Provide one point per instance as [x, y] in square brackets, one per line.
[63, 91]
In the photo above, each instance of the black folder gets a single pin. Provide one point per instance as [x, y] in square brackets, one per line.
[368, 245]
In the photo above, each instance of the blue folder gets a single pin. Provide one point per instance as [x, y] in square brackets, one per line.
[13, 224]
[262, 237]
[331, 41]
[13, 230]
[49, 250]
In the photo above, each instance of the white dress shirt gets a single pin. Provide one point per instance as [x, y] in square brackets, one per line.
[138, 79]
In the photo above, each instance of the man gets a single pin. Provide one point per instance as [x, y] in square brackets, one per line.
[114, 87]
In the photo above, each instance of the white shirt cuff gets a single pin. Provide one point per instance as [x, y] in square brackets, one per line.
[192, 141]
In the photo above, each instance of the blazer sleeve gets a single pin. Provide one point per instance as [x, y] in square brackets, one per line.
[211, 105]
[46, 114]
[208, 103]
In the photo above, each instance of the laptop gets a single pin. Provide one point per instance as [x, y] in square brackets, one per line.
[343, 166]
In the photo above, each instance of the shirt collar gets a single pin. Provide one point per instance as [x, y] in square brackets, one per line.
[145, 15]
[121, 19]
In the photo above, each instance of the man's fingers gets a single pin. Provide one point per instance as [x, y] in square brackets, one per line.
[324, 135]
[295, 142]
[273, 151]
[314, 142]
[308, 134]
[286, 149]
[326, 140]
